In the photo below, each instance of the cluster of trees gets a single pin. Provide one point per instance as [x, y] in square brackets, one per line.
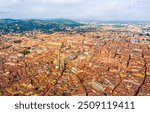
[47, 26]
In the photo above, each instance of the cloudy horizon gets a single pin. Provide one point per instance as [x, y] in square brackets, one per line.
[76, 9]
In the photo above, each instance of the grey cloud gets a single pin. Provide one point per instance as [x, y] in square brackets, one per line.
[76, 9]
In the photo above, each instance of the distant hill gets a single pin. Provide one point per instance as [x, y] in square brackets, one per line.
[48, 26]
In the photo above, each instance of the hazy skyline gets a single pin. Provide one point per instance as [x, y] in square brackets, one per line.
[76, 9]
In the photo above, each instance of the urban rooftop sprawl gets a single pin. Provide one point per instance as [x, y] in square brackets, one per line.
[58, 58]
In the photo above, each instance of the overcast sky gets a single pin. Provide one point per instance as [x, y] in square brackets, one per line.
[76, 9]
